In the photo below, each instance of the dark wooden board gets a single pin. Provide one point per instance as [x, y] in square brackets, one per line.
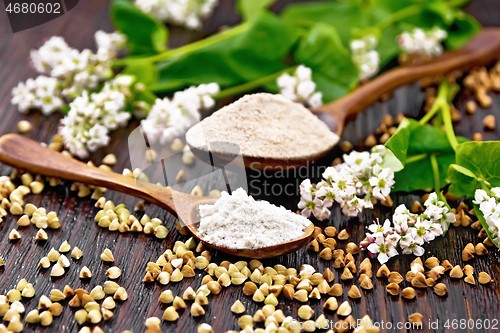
[132, 251]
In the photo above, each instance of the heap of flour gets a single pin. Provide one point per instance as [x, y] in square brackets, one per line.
[265, 126]
[237, 221]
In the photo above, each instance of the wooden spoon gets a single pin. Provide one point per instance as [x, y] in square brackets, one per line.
[28, 155]
[483, 49]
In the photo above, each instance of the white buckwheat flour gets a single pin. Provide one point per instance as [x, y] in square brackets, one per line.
[265, 126]
[237, 221]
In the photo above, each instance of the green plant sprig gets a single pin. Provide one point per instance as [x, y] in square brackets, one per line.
[316, 34]
[466, 166]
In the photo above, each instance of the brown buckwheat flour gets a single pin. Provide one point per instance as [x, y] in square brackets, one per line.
[265, 126]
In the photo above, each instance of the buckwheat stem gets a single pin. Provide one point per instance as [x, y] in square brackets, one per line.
[184, 50]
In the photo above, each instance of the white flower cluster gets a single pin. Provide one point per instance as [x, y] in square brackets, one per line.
[66, 72]
[42, 93]
[365, 57]
[109, 44]
[490, 207]
[354, 184]
[91, 116]
[408, 231]
[171, 118]
[188, 13]
[300, 87]
[420, 42]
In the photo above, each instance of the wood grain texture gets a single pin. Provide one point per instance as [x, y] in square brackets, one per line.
[133, 251]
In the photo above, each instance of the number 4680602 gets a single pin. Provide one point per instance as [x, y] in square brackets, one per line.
[33, 8]
[471, 324]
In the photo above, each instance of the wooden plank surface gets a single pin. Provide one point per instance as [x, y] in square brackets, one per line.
[133, 251]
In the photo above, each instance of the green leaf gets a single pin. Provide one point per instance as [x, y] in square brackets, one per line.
[460, 3]
[344, 16]
[387, 47]
[462, 30]
[481, 219]
[322, 51]
[462, 181]
[394, 6]
[411, 141]
[147, 74]
[145, 34]
[412, 138]
[442, 10]
[253, 54]
[418, 175]
[330, 89]
[476, 162]
[251, 8]
[391, 161]
[400, 141]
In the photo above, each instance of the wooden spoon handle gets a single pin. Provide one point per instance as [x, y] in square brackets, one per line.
[28, 155]
[481, 50]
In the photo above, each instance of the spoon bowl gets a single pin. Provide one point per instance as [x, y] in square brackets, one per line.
[28, 155]
[482, 50]
[258, 163]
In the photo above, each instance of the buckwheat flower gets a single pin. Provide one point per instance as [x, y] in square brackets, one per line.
[287, 84]
[325, 196]
[313, 207]
[66, 72]
[364, 245]
[400, 224]
[495, 192]
[41, 93]
[97, 137]
[367, 202]
[91, 117]
[384, 248]
[382, 181]
[378, 153]
[379, 230]
[420, 42]
[188, 13]
[352, 207]
[435, 229]
[359, 162]
[365, 57]
[412, 247]
[348, 184]
[434, 212]
[109, 44]
[171, 118]
[411, 231]
[300, 87]
[393, 238]
[480, 196]
[422, 231]
[489, 208]
[155, 8]
[431, 200]
[401, 210]
[321, 212]
[51, 55]
[315, 200]
[306, 207]
[306, 189]
[346, 191]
